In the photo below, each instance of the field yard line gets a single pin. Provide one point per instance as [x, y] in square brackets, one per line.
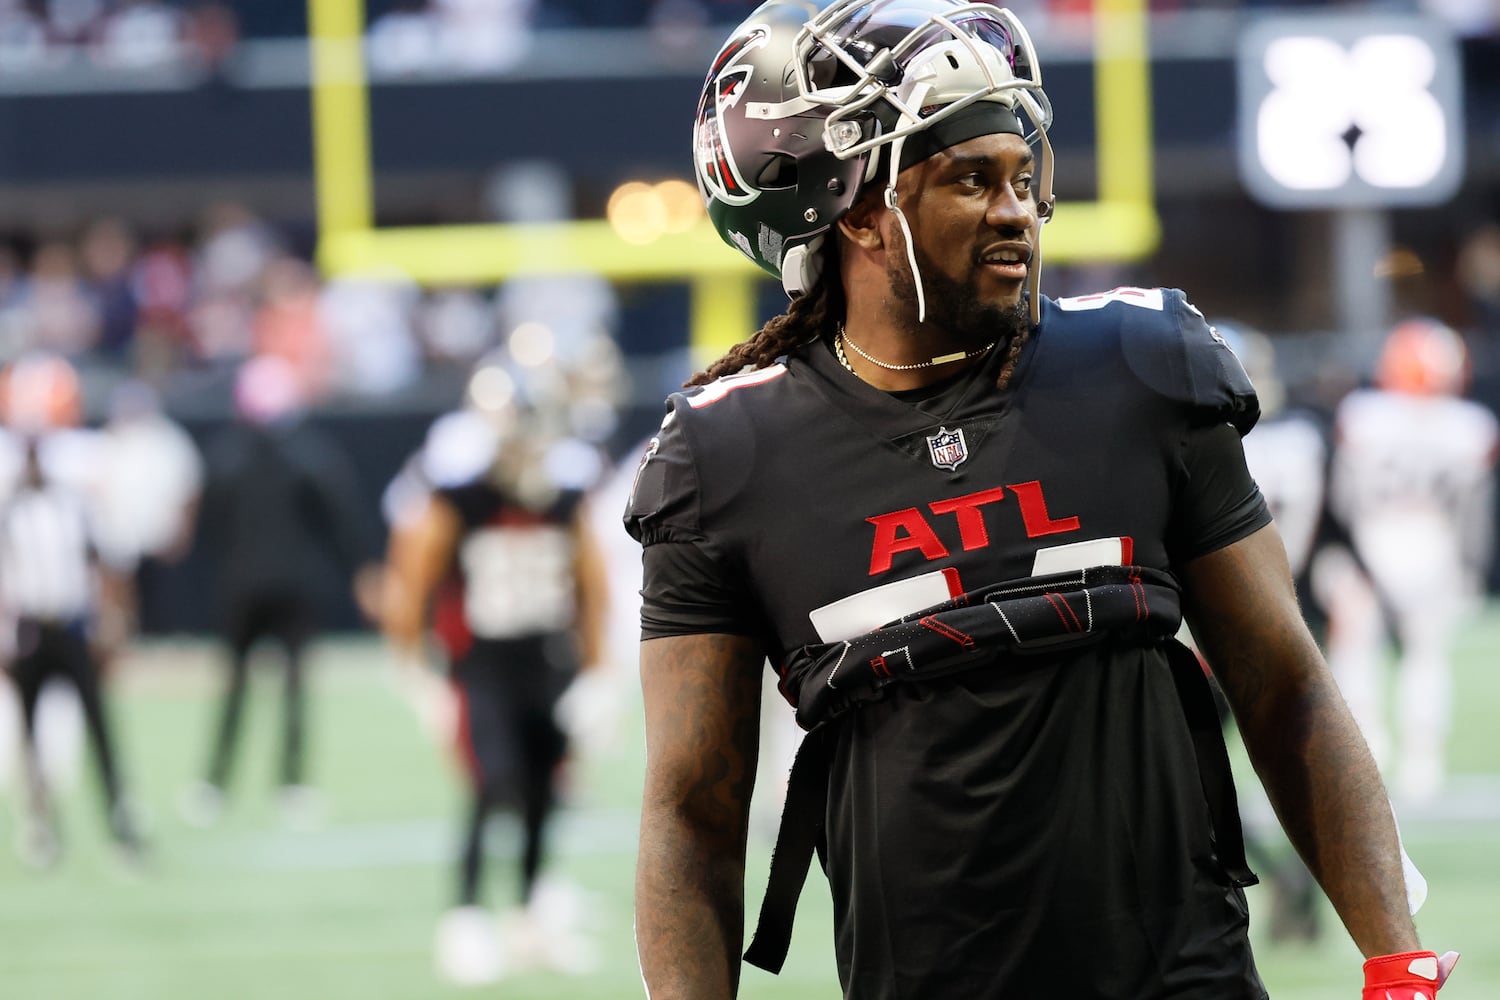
[577, 833]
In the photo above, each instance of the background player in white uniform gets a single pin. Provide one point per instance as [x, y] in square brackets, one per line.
[1287, 454]
[1287, 451]
[1411, 480]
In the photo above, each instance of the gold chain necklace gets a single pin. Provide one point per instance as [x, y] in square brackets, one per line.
[941, 359]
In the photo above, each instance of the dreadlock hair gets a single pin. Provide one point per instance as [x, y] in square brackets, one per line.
[1012, 355]
[807, 317]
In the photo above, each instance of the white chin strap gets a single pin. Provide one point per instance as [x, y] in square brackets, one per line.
[911, 248]
[1045, 205]
[1044, 212]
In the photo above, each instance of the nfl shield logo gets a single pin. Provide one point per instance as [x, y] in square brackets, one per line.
[948, 448]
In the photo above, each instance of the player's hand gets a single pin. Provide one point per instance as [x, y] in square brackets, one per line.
[431, 697]
[1410, 975]
[588, 711]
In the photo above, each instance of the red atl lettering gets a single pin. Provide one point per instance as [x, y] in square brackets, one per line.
[907, 530]
[918, 535]
[970, 522]
[1034, 512]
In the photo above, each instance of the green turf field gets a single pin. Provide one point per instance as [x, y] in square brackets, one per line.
[253, 911]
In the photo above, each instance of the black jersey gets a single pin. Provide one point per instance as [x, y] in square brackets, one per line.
[513, 572]
[1036, 828]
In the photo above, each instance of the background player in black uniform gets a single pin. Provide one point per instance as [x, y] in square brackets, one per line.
[1017, 788]
[281, 513]
[504, 569]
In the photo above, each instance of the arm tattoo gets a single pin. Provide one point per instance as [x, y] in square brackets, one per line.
[712, 683]
[702, 701]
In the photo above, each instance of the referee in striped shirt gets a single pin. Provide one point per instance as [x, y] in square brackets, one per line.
[49, 579]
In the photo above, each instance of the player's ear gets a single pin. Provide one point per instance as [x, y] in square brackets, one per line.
[861, 224]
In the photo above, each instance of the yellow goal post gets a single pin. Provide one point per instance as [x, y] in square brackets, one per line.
[1120, 224]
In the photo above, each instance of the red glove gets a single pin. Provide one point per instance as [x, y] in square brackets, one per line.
[1411, 975]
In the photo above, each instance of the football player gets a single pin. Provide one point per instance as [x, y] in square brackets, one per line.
[965, 522]
[1287, 455]
[497, 559]
[1412, 482]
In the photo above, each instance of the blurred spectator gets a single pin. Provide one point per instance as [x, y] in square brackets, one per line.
[211, 34]
[481, 36]
[1412, 483]
[449, 36]
[74, 22]
[234, 252]
[280, 510]
[23, 38]
[589, 14]
[15, 293]
[1479, 274]
[661, 14]
[108, 250]
[222, 327]
[152, 305]
[162, 288]
[234, 248]
[289, 324]
[63, 317]
[368, 326]
[140, 34]
[403, 40]
[456, 325]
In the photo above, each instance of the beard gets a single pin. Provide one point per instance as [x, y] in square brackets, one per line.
[954, 305]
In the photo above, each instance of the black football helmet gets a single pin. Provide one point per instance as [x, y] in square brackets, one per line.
[802, 102]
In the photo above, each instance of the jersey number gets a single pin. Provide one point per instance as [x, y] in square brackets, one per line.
[517, 581]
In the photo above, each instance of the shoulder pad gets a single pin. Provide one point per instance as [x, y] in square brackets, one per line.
[703, 396]
[709, 427]
[663, 501]
[1172, 349]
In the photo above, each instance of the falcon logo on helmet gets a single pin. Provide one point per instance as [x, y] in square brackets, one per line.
[718, 175]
